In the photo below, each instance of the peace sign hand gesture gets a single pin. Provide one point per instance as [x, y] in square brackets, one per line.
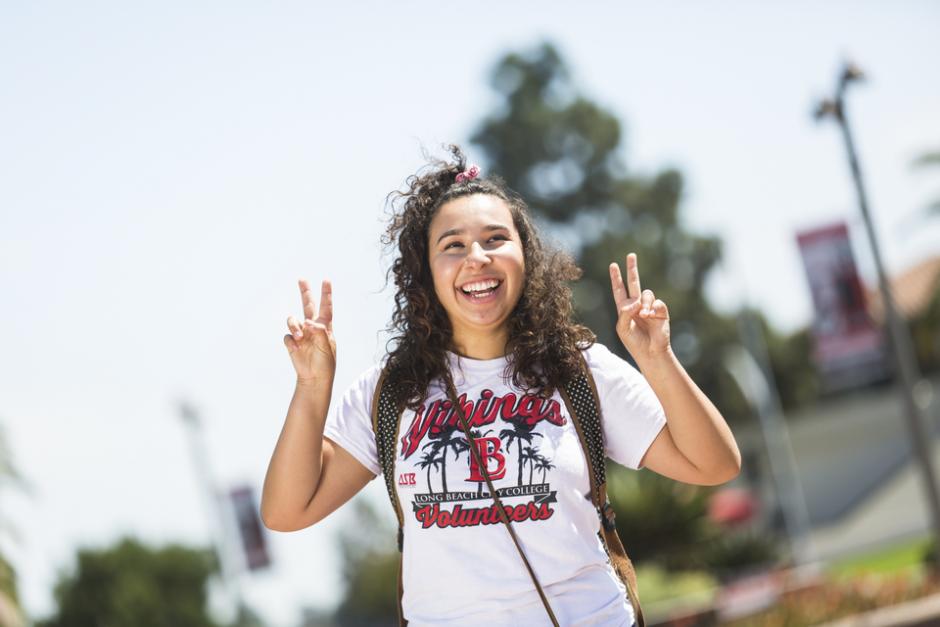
[311, 344]
[642, 319]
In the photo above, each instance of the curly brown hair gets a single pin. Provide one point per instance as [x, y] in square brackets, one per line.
[543, 346]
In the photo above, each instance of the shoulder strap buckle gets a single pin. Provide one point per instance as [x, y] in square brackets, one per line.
[608, 517]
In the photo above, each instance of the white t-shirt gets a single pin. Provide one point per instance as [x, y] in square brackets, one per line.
[460, 565]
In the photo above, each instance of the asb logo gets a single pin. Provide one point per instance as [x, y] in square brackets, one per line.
[489, 450]
[406, 478]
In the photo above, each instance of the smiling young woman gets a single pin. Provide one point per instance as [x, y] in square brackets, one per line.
[483, 316]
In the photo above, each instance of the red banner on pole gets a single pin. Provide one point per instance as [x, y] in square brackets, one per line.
[848, 348]
[249, 528]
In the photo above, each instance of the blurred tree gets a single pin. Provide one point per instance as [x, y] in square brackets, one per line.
[11, 612]
[132, 584]
[370, 570]
[659, 519]
[794, 374]
[667, 523]
[925, 333]
[929, 159]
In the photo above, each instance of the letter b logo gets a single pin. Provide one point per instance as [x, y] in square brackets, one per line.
[488, 449]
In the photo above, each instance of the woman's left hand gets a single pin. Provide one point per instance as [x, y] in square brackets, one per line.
[642, 319]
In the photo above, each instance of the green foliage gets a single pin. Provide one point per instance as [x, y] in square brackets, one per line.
[925, 328]
[659, 519]
[657, 586]
[909, 555]
[730, 554]
[132, 584]
[928, 554]
[925, 334]
[9, 476]
[8, 581]
[666, 522]
[929, 159]
[795, 376]
[370, 570]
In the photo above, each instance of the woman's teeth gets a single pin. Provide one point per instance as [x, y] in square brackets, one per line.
[480, 288]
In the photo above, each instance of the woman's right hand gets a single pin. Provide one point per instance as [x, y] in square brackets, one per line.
[310, 343]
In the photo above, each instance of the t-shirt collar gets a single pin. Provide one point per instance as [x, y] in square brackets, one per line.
[481, 366]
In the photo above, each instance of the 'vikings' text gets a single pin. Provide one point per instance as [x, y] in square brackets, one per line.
[528, 409]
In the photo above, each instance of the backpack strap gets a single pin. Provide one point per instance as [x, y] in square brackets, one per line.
[583, 404]
[386, 416]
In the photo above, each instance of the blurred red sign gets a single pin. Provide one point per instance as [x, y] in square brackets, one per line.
[732, 506]
[249, 528]
[848, 348]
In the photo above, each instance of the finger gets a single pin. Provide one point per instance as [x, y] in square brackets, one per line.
[633, 277]
[294, 327]
[312, 327]
[660, 310]
[647, 299]
[290, 343]
[326, 303]
[616, 284]
[306, 295]
[631, 309]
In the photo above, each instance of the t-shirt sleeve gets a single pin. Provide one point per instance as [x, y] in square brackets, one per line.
[349, 422]
[632, 416]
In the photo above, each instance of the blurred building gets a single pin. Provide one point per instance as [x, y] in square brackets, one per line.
[913, 290]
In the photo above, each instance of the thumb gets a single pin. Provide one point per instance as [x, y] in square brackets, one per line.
[290, 343]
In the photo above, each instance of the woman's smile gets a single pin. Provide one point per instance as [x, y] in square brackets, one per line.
[480, 291]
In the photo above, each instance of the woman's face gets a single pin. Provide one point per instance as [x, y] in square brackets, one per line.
[477, 263]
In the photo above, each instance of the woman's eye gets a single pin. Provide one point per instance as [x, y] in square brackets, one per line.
[494, 238]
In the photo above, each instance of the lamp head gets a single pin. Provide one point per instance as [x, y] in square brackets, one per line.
[825, 108]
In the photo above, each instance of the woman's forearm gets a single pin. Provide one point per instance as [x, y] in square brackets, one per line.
[697, 427]
[294, 470]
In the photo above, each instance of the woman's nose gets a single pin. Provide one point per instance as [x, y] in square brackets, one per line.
[476, 256]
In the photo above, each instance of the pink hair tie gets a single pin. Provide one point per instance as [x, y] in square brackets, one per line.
[469, 174]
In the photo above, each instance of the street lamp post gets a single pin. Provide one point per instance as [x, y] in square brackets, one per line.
[221, 538]
[750, 366]
[900, 339]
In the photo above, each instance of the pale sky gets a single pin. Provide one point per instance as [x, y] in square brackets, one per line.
[168, 171]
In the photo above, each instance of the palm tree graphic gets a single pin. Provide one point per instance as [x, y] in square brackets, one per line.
[519, 432]
[531, 455]
[448, 439]
[543, 464]
[430, 460]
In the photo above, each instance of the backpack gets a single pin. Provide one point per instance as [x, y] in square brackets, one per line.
[581, 400]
